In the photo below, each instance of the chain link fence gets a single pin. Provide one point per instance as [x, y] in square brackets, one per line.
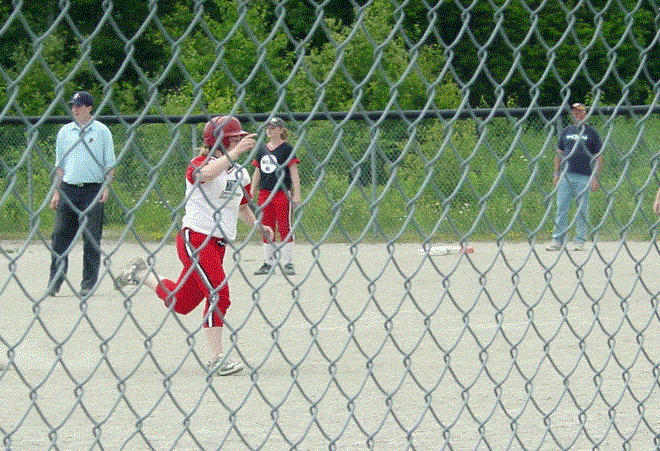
[377, 342]
[430, 173]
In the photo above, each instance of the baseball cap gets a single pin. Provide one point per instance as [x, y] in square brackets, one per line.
[275, 122]
[579, 106]
[82, 98]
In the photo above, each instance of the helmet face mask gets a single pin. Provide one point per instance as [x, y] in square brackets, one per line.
[222, 127]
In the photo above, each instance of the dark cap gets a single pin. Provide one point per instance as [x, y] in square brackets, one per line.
[275, 122]
[579, 106]
[82, 98]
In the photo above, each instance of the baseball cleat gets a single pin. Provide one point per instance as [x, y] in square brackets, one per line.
[288, 269]
[554, 246]
[265, 269]
[578, 246]
[223, 367]
[129, 275]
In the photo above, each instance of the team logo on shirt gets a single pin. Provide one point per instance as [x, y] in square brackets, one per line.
[230, 190]
[233, 183]
[268, 164]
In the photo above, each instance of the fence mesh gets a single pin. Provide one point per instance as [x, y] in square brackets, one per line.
[407, 120]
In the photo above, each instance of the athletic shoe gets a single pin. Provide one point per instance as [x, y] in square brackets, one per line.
[129, 275]
[288, 269]
[578, 246]
[223, 367]
[52, 291]
[554, 246]
[265, 269]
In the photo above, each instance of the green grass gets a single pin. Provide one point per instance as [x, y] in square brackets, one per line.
[443, 185]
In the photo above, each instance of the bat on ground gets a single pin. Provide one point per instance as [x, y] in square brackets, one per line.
[446, 250]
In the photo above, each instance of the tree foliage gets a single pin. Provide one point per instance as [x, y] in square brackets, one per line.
[182, 56]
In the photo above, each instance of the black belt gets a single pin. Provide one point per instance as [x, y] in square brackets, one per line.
[82, 185]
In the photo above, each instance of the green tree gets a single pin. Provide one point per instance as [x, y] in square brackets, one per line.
[33, 72]
[225, 63]
[371, 65]
[544, 50]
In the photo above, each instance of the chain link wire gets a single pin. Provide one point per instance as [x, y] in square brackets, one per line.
[377, 344]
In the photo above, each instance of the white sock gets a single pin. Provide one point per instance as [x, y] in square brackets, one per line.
[214, 337]
[287, 252]
[269, 254]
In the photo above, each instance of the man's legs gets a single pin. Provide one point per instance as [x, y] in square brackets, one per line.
[564, 196]
[92, 245]
[581, 186]
[66, 226]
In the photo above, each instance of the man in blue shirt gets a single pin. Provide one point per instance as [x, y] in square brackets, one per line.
[579, 154]
[84, 162]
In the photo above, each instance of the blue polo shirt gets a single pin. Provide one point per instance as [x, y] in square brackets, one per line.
[86, 154]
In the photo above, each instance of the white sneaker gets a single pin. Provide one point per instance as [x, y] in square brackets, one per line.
[129, 275]
[554, 246]
[264, 269]
[222, 366]
[288, 270]
[578, 246]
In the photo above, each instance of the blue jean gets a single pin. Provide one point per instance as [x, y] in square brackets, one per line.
[572, 186]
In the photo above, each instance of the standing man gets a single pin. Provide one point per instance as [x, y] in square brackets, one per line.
[656, 204]
[84, 162]
[578, 164]
[276, 182]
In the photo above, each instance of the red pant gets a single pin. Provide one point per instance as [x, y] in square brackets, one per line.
[276, 211]
[202, 277]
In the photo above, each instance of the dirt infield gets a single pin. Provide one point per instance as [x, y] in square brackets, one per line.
[367, 347]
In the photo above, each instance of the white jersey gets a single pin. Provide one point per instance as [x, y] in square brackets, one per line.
[212, 206]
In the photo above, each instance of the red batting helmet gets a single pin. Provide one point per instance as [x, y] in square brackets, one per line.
[222, 127]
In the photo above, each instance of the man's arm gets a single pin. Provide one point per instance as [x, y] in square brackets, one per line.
[106, 185]
[656, 204]
[597, 171]
[57, 181]
[556, 174]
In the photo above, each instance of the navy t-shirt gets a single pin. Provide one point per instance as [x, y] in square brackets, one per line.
[273, 165]
[578, 146]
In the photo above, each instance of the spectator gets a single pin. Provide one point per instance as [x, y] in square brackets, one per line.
[579, 154]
